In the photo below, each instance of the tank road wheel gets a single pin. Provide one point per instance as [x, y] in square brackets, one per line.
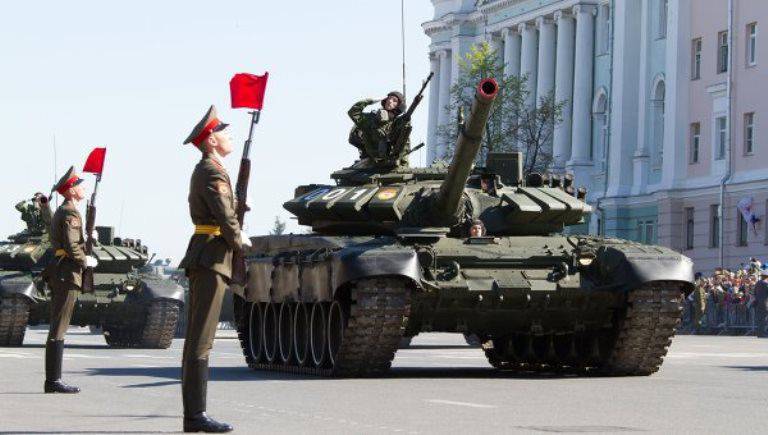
[269, 332]
[301, 334]
[378, 310]
[14, 314]
[255, 332]
[645, 329]
[285, 332]
[336, 326]
[317, 327]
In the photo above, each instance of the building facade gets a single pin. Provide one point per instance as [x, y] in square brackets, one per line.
[663, 109]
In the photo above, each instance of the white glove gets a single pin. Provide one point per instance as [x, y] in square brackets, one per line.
[95, 235]
[91, 261]
[245, 241]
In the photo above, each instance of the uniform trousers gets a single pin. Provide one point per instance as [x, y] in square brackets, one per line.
[206, 293]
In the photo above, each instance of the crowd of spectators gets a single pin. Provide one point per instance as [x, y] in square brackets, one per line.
[727, 296]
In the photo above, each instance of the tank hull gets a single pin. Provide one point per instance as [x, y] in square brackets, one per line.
[528, 291]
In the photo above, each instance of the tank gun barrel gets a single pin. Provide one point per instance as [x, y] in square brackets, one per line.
[467, 146]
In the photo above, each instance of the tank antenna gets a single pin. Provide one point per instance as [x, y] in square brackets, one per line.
[402, 38]
[55, 175]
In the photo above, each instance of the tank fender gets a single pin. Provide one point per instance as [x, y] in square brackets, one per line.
[17, 284]
[152, 289]
[356, 262]
[631, 269]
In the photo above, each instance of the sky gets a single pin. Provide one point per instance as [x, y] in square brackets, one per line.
[136, 76]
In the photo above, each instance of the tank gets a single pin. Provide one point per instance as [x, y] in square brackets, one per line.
[131, 304]
[389, 255]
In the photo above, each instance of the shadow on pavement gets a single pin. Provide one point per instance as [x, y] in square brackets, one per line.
[749, 368]
[87, 431]
[72, 346]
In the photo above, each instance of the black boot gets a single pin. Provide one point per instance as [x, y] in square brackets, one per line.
[54, 355]
[194, 384]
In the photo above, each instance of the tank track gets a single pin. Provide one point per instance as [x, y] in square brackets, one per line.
[14, 314]
[374, 321]
[156, 332]
[635, 347]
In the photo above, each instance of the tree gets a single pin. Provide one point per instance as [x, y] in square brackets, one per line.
[512, 125]
[278, 228]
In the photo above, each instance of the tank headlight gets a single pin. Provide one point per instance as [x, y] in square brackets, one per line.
[586, 261]
[129, 287]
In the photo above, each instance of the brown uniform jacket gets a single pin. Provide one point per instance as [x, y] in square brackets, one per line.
[67, 235]
[211, 202]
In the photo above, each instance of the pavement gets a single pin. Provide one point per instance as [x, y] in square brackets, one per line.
[439, 385]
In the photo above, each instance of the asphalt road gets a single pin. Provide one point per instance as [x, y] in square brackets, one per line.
[707, 385]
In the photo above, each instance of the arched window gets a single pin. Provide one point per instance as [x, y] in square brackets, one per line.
[657, 112]
[600, 118]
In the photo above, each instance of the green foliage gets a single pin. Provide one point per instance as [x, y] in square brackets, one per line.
[512, 126]
[278, 228]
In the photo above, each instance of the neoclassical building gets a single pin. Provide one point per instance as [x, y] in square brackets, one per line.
[562, 46]
[664, 99]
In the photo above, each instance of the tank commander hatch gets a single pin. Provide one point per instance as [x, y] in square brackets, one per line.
[35, 213]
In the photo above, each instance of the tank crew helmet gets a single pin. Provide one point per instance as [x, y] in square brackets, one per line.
[402, 107]
[209, 124]
[68, 181]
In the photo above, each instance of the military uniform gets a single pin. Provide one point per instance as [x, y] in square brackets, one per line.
[208, 264]
[64, 277]
[374, 132]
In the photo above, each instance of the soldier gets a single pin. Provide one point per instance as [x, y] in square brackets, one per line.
[373, 131]
[64, 276]
[208, 264]
[35, 213]
[761, 302]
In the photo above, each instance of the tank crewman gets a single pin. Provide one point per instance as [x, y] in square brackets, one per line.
[208, 264]
[33, 213]
[373, 131]
[64, 276]
[761, 304]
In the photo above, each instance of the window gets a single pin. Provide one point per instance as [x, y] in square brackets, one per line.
[714, 226]
[696, 59]
[689, 228]
[645, 231]
[742, 229]
[722, 52]
[751, 44]
[749, 133]
[720, 137]
[663, 7]
[695, 142]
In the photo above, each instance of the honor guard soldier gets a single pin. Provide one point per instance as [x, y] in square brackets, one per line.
[64, 276]
[208, 264]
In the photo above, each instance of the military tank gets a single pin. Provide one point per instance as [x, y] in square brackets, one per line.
[389, 256]
[134, 307]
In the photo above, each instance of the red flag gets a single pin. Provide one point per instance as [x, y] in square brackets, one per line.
[248, 90]
[95, 162]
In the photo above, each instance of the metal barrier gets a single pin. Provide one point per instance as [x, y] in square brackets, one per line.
[720, 318]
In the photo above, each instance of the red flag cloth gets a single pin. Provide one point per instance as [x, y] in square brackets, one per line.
[95, 162]
[248, 90]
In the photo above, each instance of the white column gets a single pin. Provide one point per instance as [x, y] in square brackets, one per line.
[561, 151]
[511, 52]
[546, 75]
[528, 59]
[641, 159]
[446, 64]
[434, 107]
[582, 86]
